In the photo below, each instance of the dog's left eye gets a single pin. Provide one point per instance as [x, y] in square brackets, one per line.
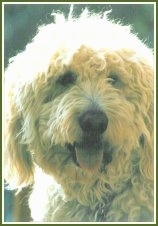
[67, 78]
[114, 80]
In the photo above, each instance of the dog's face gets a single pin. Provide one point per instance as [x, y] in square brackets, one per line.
[85, 117]
[91, 114]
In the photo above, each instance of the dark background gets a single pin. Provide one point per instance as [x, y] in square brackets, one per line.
[22, 20]
[20, 25]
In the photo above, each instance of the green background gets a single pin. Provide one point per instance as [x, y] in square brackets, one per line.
[22, 20]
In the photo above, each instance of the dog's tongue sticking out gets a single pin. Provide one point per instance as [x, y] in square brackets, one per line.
[89, 157]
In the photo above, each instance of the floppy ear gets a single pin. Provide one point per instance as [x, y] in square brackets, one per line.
[146, 140]
[18, 161]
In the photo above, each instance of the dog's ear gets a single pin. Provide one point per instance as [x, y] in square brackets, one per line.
[146, 140]
[18, 164]
[147, 157]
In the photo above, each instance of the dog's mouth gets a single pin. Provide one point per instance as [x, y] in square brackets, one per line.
[90, 152]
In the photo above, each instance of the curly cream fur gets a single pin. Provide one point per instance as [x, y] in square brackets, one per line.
[42, 116]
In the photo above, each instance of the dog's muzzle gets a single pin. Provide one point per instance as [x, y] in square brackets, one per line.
[88, 152]
[93, 122]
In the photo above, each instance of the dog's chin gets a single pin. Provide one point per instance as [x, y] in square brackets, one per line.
[90, 155]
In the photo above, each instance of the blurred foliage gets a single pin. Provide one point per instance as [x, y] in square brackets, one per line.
[22, 20]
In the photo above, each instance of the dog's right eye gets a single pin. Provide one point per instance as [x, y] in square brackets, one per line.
[67, 78]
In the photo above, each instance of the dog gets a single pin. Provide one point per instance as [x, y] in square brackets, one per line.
[79, 122]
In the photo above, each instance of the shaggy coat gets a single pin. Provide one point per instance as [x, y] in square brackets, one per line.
[79, 122]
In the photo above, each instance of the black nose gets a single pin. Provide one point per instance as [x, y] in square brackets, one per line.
[93, 121]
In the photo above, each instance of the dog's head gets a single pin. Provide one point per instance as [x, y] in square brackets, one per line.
[79, 103]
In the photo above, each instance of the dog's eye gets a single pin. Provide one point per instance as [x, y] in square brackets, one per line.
[114, 80]
[67, 78]
[47, 99]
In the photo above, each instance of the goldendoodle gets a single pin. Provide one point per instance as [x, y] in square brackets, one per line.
[79, 122]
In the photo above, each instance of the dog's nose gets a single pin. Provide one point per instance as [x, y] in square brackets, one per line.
[93, 121]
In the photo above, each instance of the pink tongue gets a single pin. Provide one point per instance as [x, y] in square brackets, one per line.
[89, 160]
